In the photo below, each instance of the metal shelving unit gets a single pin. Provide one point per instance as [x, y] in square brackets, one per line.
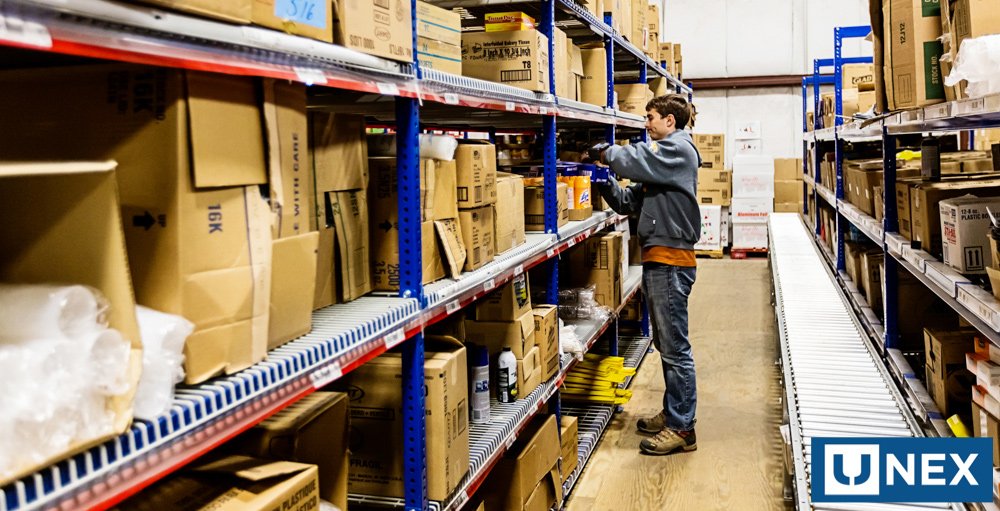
[344, 336]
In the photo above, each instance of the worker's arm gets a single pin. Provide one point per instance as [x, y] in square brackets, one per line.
[624, 200]
[639, 162]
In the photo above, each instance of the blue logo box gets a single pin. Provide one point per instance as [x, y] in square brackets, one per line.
[902, 470]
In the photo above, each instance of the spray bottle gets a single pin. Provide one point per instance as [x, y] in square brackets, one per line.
[480, 385]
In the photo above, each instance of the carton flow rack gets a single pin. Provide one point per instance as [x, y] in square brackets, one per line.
[975, 305]
[488, 442]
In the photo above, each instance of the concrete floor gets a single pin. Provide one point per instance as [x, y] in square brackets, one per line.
[738, 464]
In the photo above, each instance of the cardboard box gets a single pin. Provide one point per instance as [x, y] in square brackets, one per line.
[293, 287]
[508, 303]
[508, 21]
[711, 228]
[534, 207]
[858, 76]
[439, 56]
[715, 186]
[547, 338]
[925, 212]
[190, 155]
[632, 98]
[233, 11]
[752, 235]
[314, 431]
[603, 256]
[639, 30]
[437, 24]
[383, 28]
[569, 438]
[788, 191]
[517, 334]
[529, 372]
[870, 275]
[912, 50]
[477, 236]
[653, 20]
[709, 141]
[314, 20]
[342, 269]
[712, 159]
[44, 241]
[594, 82]
[445, 195]
[476, 162]
[788, 169]
[340, 151]
[965, 228]
[527, 477]
[971, 18]
[667, 57]
[508, 212]
[517, 58]
[576, 71]
[788, 207]
[233, 483]
[560, 62]
[290, 177]
[985, 425]
[453, 250]
[377, 421]
[948, 381]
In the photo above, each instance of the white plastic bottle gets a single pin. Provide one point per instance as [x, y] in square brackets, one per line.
[507, 377]
[480, 385]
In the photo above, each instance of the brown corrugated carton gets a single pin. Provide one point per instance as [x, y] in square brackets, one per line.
[912, 49]
[518, 58]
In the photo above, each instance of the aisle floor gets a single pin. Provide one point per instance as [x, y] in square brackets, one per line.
[738, 464]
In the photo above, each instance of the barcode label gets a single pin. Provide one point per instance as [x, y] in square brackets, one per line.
[544, 110]
[515, 75]
[510, 106]
[519, 269]
[310, 76]
[489, 285]
[550, 253]
[510, 441]
[324, 375]
[463, 194]
[24, 32]
[571, 242]
[452, 307]
[475, 255]
[451, 99]
[394, 338]
[387, 89]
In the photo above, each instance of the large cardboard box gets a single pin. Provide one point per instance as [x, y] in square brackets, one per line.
[560, 62]
[637, 36]
[233, 483]
[290, 177]
[44, 241]
[788, 169]
[715, 187]
[477, 236]
[314, 19]
[948, 381]
[518, 58]
[190, 153]
[632, 98]
[576, 71]
[870, 275]
[313, 430]
[376, 466]
[235, 11]
[599, 264]
[476, 162]
[965, 228]
[912, 50]
[594, 82]
[534, 206]
[971, 18]
[508, 303]
[508, 212]
[547, 338]
[439, 24]
[517, 334]
[788, 191]
[445, 194]
[925, 211]
[529, 373]
[339, 151]
[569, 438]
[383, 28]
[711, 228]
[342, 268]
[527, 477]
[439, 56]
[293, 287]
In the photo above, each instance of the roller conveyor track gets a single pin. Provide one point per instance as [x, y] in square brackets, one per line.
[835, 384]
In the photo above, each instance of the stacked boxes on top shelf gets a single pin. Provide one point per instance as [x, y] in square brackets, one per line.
[715, 188]
[511, 51]
[652, 44]
[439, 38]
[753, 200]
[858, 93]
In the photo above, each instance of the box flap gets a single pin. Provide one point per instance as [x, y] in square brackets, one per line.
[227, 141]
[527, 321]
[450, 234]
[251, 469]
[293, 287]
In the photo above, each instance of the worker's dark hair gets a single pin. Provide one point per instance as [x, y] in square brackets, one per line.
[672, 104]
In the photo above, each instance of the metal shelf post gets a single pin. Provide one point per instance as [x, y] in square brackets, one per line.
[609, 62]
[890, 223]
[839, 34]
[838, 151]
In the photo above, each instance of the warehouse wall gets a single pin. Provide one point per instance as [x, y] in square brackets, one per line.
[734, 38]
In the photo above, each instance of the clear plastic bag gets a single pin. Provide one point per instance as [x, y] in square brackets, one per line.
[163, 337]
[977, 62]
[569, 342]
[579, 303]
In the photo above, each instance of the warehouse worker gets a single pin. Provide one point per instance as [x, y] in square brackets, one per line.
[665, 175]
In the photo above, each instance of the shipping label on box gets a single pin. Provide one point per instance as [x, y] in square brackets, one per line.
[711, 228]
[314, 20]
[965, 228]
[517, 58]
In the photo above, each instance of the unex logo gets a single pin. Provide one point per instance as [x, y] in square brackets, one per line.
[902, 469]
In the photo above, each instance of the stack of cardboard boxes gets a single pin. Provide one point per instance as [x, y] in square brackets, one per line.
[715, 191]
[858, 93]
[964, 19]
[527, 478]
[439, 38]
[632, 98]
[477, 195]
[918, 205]
[984, 363]
[753, 200]
[712, 148]
[652, 44]
[670, 54]
[788, 190]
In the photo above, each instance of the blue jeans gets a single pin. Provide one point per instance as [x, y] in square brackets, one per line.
[667, 289]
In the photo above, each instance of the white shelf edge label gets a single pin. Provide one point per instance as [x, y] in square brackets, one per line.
[510, 441]
[543, 110]
[519, 269]
[325, 375]
[451, 98]
[489, 285]
[510, 106]
[550, 253]
[452, 307]
[571, 242]
[387, 89]
[310, 76]
[394, 338]
[24, 32]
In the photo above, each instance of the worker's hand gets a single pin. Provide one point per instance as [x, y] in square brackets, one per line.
[596, 153]
[599, 174]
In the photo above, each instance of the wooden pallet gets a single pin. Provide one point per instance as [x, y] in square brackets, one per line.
[713, 254]
[744, 253]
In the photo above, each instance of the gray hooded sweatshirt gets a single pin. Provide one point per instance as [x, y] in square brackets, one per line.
[665, 189]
